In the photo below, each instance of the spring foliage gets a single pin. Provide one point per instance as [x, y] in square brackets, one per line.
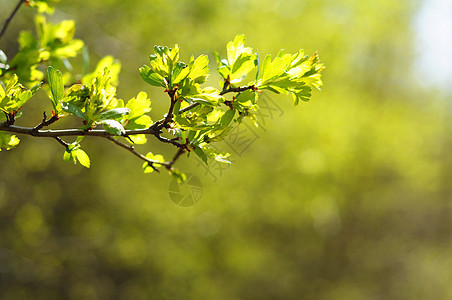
[199, 115]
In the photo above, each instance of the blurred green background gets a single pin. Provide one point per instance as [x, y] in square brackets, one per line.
[345, 197]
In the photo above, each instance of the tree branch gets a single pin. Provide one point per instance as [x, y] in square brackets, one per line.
[71, 132]
[154, 129]
[11, 16]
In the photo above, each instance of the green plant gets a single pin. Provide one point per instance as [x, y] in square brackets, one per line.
[198, 115]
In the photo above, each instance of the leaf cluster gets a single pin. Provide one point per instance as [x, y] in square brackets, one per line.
[198, 115]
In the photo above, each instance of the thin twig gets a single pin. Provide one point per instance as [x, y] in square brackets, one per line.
[169, 116]
[169, 141]
[185, 109]
[175, 158]
[137, 154]
[11, 16]
[45, 122]
[66, 145]
[237, 89]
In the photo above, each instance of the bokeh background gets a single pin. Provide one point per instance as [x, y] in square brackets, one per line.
[347, 196]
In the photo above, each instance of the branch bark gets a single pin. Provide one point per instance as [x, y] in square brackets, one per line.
[71, 132]
[237, 89]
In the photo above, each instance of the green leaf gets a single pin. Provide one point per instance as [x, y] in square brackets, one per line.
[200, 69]
[14, 96]
[114, 113]
[67, 156]
[303, 94]
[13, 81]
[82, 157]
[241, 59]
[274, 69]
[208, 96]
[42, 6]
[2, 95]
[242, 66]
[218, 156]
[72, 109]
[8, 141]
[113, 127]
[36, 87]
[3, 58]
[109, 62]
[56, 86]
[102, 95]
[78, 94]
[157, 158]
[141, 122]
[266, 67]
[245, 100]
[235, 48]
[246, 96]
[180, 72]
[138, 105]
[178, 175]
[138, 139]
[23, 97]
[227, 117]
[151, 77]
[198, 151]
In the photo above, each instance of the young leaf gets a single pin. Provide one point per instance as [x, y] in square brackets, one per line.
[114, 113]
[56, 86]
[14, 96]
[138, 139]
[200, 153]
[149, 167]
[8, 141]
[151, 77]
[82, 157]
[178, 175]
[218, 156]
[3, 57]
[113, 127]
[138, 105]
[72, 109]
[141, 122]
[36, 88]
[227, 117]
[109, 62]
[200, 69]
[67, 156]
